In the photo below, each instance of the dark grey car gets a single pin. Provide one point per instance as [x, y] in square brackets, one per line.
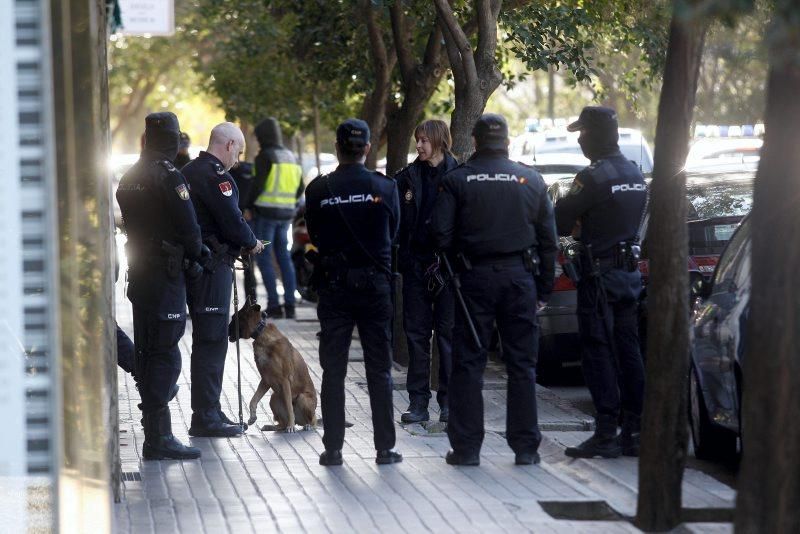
[718, 329]
[717, 203]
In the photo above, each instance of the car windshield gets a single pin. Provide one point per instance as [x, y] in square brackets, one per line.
[720, 195]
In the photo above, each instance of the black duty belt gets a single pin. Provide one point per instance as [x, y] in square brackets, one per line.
[506, 258]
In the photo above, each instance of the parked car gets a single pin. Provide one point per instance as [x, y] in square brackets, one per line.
[717, 347]
[717, 203]
[632, 144]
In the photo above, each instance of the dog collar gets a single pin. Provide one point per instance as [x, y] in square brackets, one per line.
[262, 324]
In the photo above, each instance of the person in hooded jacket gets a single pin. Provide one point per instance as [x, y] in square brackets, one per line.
[425, 309]
[276, 186]
[163, 243]
[604, 209]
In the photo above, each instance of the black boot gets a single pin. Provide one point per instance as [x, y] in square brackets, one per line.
[208, 425]
[629, 437]
[159, 443]
[227, 420]
[603, 443]
[288, 311]
[417, 412]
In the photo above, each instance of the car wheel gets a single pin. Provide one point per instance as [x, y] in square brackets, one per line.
[710, 441]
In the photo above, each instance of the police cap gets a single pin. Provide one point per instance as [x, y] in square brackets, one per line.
[164, 121]
[352, 134]
[491, 131]
[596, 119]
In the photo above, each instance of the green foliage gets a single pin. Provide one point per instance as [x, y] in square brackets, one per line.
[277, 59]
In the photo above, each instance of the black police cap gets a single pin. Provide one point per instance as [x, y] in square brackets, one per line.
[352, 133]
[162, 121]
[596, 119]
[491, 131]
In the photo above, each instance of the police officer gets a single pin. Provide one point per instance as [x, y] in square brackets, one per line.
[163, 240]
[428, 304]
[604, 210]
[352, 216]
[224, 230]
[277, 185]
[494, 217]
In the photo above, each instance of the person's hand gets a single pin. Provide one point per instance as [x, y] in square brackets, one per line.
[248, 215]
[256, 249]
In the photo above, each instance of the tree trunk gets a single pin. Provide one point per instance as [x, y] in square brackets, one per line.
[399, 132]
[251, 145]
[466, 113]
[664, 426]
[316, 138]
[374, 108]
[551, 92]
[475, 72]
[769, 482]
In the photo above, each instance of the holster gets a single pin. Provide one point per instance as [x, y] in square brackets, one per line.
[174, 258]
[531, 260]
[219, 254]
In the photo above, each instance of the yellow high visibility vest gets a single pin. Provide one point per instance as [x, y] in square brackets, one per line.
[280, 190]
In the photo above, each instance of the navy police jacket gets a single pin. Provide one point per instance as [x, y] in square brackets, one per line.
[492, 206]
[154, 200]
[607, 198]
[216, 200]
[418, 186]
[368, 201]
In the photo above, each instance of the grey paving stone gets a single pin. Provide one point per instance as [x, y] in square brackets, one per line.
[271, 482]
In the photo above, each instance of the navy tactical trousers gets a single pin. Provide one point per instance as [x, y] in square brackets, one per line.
[421, 316]
[505, 293]
[612, 361]
[158, 359]
[209, 304]
[339, 311]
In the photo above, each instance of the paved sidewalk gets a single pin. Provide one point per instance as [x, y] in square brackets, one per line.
[271, 482]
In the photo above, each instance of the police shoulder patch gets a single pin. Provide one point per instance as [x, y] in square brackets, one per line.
[226, 188]
[182, 191]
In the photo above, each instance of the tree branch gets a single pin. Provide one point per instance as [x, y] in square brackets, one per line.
[401, 36]
[458, 40]
[380, 60]
[433, 49]
[453, 56]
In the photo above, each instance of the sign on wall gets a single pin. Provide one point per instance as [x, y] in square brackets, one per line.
[147, 17]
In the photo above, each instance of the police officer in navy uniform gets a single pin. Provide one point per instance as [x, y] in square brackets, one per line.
[224, 230]
[493, 217]
[163, 247]
[428, 304]
[353, 216]
[604, 209]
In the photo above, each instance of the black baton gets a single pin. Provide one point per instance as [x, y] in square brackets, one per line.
[457, 289]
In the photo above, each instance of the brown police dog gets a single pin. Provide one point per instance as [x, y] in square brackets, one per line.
[282, 369]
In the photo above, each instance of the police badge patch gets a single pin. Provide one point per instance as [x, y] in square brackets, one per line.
[220, 170]
[409, 195]
[182, 191]
[226, 188]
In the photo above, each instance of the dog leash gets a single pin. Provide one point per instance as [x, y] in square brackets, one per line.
[242, 425]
